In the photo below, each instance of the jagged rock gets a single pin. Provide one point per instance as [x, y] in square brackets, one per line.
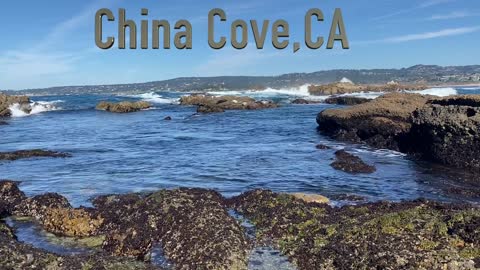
[447, 131]
[304, 101]
[22, 154]
[208, 103]
[383, 235]
[123, 107]
[38, 206]
[383, 123]
[346, 100]
[10, 196]
[346, 88]
[350, 163]
[6, 101]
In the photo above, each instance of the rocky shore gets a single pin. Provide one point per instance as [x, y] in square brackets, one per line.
[196, 231]
[348, 87]
[212, 104]
[444, 130]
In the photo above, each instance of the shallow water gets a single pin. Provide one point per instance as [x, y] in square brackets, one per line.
[231, 152]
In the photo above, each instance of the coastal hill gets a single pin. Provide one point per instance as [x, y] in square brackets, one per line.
[419, 74]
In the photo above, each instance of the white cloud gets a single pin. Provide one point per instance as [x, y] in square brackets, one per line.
[424, 5]
[422, 36]
[453, 15]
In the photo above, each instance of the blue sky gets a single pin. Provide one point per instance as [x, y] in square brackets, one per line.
[51, 43]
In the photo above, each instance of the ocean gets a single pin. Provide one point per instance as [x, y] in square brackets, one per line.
[230, 152]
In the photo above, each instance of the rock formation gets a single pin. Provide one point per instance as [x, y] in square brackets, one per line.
[36, 153]
[123, 107]
[7, 101]
[346, 88]
[346, 100]
[208, 103]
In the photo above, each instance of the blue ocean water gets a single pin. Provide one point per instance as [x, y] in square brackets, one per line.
[230, 152]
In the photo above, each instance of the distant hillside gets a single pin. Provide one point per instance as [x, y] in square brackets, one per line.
[428, 74]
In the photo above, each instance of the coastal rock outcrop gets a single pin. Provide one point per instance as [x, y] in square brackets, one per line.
[6, 101]
[350, 163]
[346, 100]
[123, 107]
[35, 153]
[209, 103]
[444, 130]
[346, 88]
[384, 122]
[448, 131]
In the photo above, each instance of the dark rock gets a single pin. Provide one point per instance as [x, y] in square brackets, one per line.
[123, 107]
[3, 123]
[447, 131]
[10, 197]
[382, 235]
[322, 147]
[304, 101]
[350, 163]
[208, 103]
[346, 100]
[11, 156]
[168, 118]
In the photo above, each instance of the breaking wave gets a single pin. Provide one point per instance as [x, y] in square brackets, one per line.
[440, 92]
[18, 110]
[154, 98]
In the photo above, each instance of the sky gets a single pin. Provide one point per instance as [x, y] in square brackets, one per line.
[52, 43]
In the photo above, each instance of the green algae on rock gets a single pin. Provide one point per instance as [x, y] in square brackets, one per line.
[383, 235]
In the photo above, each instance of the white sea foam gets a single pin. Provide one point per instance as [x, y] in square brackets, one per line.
[35, 107]
[154, 98]
[369, 95]
[440, 92]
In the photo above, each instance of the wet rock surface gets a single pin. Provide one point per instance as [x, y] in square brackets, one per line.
[214, 104]
[123, 107]
[443, 130]
[6, 101]
[304, 101]
[194, 230]
[350, 163]
[448, 131]
[36, 153]
[346, 100]
[383, 235]
[322, 147]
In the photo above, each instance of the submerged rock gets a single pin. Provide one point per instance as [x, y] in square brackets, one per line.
[322, 147]
[6, 101]
[350, 163]
[208, 103]
[304, 101]
[168, 118]
[123, 107]
[347, 100]
[407, 235]
[22, 154]
[3, 123]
